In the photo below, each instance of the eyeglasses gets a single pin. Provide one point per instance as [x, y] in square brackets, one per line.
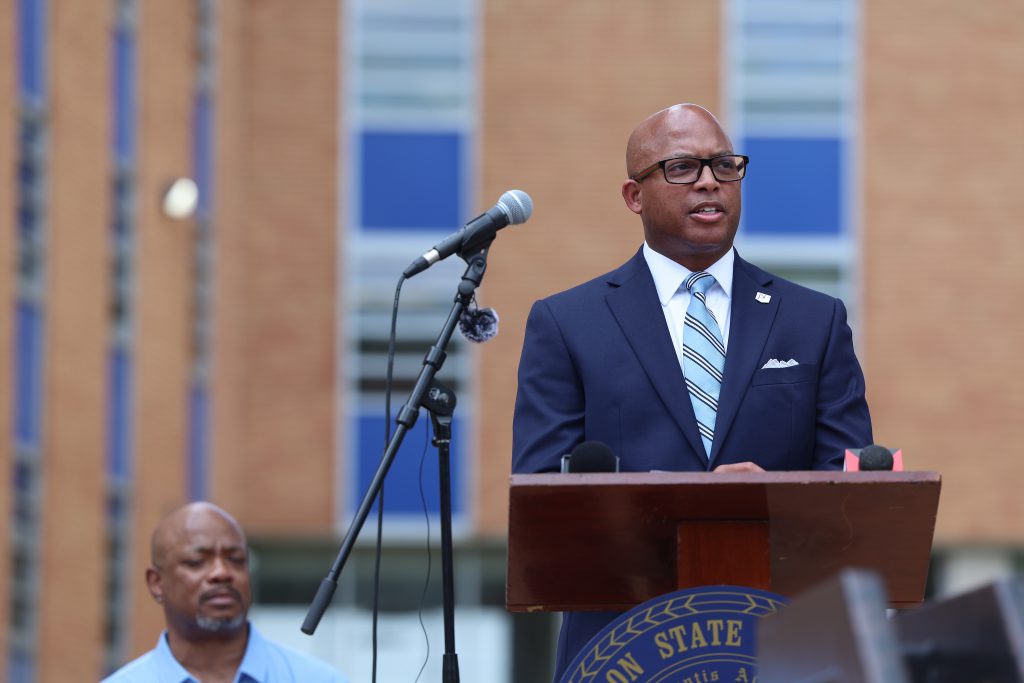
[727, 168]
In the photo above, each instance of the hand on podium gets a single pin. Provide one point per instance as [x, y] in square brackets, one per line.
[739, 467]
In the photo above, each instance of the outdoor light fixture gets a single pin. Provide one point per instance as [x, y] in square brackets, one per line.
[181, 199]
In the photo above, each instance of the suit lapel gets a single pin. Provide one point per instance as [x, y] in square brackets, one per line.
[634, 303]
[750, 322]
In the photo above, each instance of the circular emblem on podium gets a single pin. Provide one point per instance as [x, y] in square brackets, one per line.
[697, 635]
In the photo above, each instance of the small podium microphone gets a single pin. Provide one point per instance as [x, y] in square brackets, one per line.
[590, 456]
[513, 207]
[873, 458]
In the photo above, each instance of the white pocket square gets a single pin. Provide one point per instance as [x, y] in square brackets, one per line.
[775, 363]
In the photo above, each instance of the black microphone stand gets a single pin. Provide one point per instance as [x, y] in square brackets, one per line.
[476, 257]
[440, 402]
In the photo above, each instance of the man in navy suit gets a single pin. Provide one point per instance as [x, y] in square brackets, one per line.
[605, 360]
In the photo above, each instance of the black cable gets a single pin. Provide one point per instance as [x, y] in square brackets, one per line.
[426, 581]
[380, 496]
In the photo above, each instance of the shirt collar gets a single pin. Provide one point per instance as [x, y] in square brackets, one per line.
[669, 275]
[171, 670]
[253, 667]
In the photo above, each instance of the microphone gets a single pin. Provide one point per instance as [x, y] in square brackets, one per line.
[590, 456]
[513, 207]
[873, 458]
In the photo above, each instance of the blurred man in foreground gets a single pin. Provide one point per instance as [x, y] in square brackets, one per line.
[200, 575]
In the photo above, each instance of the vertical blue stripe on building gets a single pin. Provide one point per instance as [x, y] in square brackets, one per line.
[124, 93]
[28, 371]
[202, 159]
[29, 178]
[197, 448]
[119, 414]
[203, 174]
[120, 408]
[31, 50]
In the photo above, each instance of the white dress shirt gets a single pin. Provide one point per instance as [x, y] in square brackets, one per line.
[669, 279]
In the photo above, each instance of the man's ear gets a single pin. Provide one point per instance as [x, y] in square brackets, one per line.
[154, 583]
[631, 194]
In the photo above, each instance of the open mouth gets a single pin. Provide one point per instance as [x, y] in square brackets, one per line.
[708, 212]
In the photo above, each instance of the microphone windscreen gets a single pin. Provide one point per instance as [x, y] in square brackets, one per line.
[875, 458]
[593, 456]
[479, 324]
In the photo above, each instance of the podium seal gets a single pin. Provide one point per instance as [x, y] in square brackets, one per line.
[697, 635]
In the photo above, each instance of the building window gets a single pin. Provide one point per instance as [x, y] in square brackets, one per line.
[412, 118]
[791, 72]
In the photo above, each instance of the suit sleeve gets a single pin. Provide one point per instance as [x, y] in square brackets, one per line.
[843, 420]
[549, 412]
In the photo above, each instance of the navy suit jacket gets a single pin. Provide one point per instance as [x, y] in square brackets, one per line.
[598, 363]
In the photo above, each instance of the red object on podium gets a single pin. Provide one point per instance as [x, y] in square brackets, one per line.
[612, 541]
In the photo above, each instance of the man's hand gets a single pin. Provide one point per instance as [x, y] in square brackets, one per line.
[740, 467]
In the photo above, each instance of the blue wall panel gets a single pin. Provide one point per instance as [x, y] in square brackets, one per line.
[793, 186]
[411, 181]
[402, 489]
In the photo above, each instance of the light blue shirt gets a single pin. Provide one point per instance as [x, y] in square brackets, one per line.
[264, 662]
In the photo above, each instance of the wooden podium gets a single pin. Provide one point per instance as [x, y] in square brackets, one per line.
[613, 541]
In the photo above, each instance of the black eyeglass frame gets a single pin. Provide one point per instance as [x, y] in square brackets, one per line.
[700, 171]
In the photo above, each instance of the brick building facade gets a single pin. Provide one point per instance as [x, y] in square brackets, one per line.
[157, 360]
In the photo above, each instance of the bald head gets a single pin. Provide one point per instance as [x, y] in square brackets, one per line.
[175, 528]
[692, 221]
[647, 140]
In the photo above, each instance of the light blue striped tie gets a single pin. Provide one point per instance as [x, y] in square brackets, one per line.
[703, 357]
